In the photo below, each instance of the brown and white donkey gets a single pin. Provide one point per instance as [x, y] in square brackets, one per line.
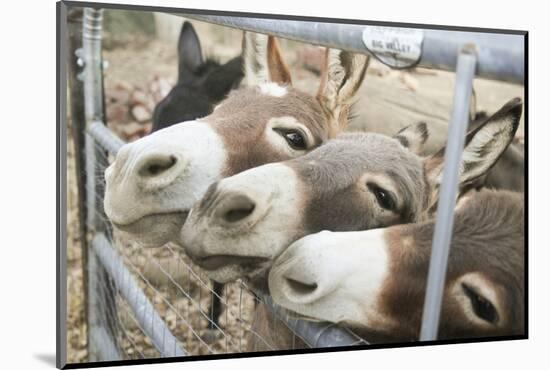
[353, 182]
[375, 280]
[154, 181]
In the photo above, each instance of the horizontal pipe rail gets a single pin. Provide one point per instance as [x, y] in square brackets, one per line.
[105, 137]
[146, 315]
[500, 56]
[316, 334]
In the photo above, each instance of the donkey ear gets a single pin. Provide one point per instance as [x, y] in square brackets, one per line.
[341, 76]
[224, 78]
[483, 146]
[189, 51]
[413, 137]
[262, 60]
[278, 70]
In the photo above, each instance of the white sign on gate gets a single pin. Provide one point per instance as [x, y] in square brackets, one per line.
[396, 47]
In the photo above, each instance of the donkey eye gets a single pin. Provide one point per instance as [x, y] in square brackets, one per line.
[482, 307]
[383, 197]
[294, 138]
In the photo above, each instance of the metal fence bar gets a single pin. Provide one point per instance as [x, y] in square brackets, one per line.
[105, 344]
[447, 199]
[105, 137]
[316, 334]
[500, 56]
[93, 104]
[151, 322]
[99, 300]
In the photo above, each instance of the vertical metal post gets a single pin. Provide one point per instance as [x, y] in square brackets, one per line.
[93, 106]
[78, 131]
[465, 71]
[101, 298]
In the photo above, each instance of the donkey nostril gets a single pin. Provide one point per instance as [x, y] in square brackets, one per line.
[237, 214]
[237, 208]
[157, 165]
[300, 288]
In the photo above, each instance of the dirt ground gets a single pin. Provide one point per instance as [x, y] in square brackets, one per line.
[387, 101]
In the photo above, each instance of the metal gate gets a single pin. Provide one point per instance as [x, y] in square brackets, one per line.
[123, 304]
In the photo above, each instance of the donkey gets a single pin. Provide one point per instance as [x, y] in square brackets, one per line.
[353, 182]
[201, 83]
[375, 280]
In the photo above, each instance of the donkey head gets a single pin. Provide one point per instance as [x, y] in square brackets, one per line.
[354, 182]
[375, 280]
[201, 83]
[154, 181]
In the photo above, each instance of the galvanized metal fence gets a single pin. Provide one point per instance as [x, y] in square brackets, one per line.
[151, 303]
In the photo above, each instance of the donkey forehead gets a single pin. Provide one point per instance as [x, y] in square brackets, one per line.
[351, 155]
[255, 106]
[344, 161]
